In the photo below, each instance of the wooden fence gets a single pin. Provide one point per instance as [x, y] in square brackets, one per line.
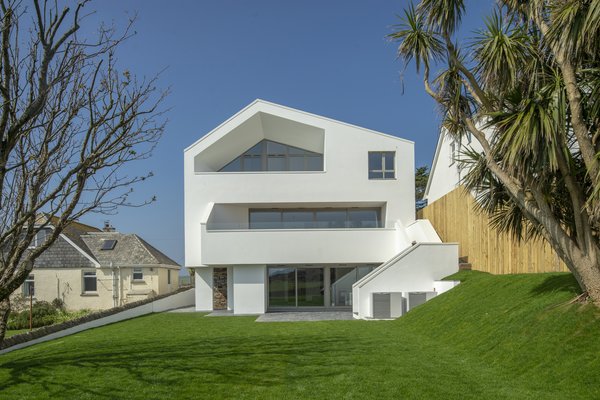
[455, 219]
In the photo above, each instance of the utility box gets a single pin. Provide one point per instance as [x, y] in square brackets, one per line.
[417, 298]
[382, 306]
[388, 305]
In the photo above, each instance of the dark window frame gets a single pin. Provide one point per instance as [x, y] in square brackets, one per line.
[139, 272]
[29, 286]
[348, 222]
[385, 169]
[87, 277]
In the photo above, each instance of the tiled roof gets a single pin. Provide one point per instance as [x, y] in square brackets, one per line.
[129, 249]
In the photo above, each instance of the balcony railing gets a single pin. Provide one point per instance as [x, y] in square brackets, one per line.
[221, 226]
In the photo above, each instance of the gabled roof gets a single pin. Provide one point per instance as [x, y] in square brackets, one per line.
[73, 232]
[261, 106]
[434, 163]
[129, 250]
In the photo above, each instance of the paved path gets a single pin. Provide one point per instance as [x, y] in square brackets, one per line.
[305, 316]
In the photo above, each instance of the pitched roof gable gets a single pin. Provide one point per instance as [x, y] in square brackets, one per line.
[129, 250]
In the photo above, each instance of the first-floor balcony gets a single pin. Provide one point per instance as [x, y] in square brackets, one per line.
[299, 246]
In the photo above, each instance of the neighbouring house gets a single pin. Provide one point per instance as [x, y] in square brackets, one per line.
[446, 168]
[91, 268]
[453, 213]
[286, 210]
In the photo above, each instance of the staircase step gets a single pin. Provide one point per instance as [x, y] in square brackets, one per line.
[464, 266]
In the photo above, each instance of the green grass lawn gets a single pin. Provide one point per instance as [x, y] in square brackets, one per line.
[493, 337]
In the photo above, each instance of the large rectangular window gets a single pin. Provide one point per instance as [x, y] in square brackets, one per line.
[321, 218]
[29, 286]
[382, 165]
[90, 283]
[272, 156]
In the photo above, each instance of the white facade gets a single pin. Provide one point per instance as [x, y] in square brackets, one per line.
[446, 170]
[220, 231]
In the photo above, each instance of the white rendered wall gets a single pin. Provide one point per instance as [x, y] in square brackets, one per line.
[178, 300]
[421, 231]
[301, 246]
[204, 289]
[249, 289]
[345, 178]
[414, 271]
[445, 175]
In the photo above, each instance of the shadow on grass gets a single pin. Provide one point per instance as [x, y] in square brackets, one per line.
[558, 283]
[253, 363]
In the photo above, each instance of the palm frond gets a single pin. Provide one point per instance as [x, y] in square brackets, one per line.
[442, 15]
[416, 40]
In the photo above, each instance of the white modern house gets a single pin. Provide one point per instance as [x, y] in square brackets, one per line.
[286, 210]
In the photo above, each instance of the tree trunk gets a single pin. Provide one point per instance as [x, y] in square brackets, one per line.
[4, 312]
[586, 270]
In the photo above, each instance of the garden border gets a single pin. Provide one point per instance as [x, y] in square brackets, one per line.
[181, 298]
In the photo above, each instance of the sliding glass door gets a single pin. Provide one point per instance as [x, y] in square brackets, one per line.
[302, 286]
[296, 287]
[282, 287]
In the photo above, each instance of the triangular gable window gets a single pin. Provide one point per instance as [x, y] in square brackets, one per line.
[267, 155]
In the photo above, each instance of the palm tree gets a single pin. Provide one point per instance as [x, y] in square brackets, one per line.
[527, 87]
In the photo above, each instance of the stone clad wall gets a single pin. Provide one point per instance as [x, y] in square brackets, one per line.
[220, 289]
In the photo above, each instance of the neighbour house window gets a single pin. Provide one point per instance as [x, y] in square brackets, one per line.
[39, 238]
[272, 156]
[90, 283]
[323, 218]
[138, 274]
[29, 286]
[168, 277]
[382, 165]
[108, 244]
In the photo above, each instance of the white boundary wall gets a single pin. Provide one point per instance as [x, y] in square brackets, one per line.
[178, 300]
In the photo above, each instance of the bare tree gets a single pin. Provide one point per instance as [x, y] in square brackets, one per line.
[69, 124]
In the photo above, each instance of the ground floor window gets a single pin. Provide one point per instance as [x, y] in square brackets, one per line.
[168, 277]
[313, 286]
[29, 286]
[138, 274]
[90, 283]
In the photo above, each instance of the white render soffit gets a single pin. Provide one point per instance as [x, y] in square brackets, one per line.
[255, 129]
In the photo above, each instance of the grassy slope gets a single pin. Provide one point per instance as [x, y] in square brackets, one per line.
[501, 337]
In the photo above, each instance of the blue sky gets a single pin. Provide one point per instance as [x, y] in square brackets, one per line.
[328, 57]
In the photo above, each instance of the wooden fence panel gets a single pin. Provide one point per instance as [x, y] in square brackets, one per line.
[455, 219]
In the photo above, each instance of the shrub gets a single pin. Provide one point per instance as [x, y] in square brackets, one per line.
[42, 314]
[59, 304]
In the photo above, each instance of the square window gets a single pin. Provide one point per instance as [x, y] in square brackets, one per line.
[138, 274]
[382, 165]
[90, 283]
